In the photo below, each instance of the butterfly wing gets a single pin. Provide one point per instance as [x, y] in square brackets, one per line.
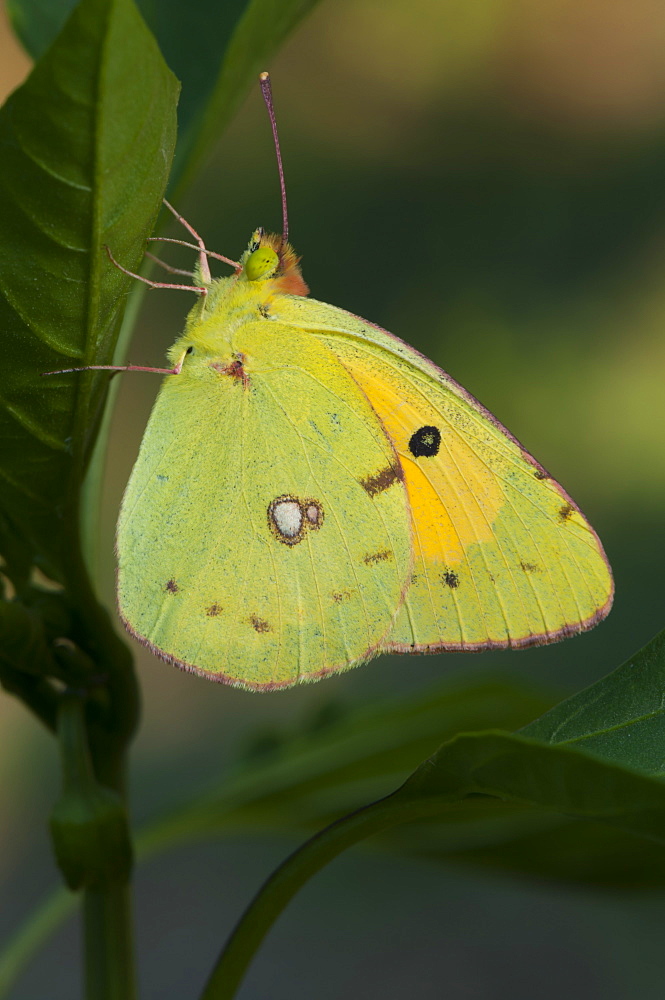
[264, 536]
[503, 557]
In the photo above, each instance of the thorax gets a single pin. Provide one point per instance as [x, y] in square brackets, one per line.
[229, 304]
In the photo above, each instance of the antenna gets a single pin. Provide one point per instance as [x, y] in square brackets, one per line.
[266, 90]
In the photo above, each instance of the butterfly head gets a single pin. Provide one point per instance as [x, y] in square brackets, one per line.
[268, 259]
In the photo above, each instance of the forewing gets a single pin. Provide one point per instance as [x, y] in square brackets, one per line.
[264, 537]
[503, 557]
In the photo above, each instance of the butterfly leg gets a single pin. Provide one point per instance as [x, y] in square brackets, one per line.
[199, 289]
[192, 246]
[203, 259]
[204, 253]
[121, 368]
[168, 267]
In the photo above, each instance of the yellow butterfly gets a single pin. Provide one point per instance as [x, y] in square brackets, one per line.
[311, 491]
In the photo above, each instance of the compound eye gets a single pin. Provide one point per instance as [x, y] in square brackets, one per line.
[261, 263]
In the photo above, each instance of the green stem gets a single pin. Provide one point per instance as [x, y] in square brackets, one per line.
[93, 849]
[109, 946]
[285, 882]
[112, 726]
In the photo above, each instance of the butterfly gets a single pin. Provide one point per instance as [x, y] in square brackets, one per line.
[311, 491]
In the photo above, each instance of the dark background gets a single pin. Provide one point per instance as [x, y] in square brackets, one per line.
[487, 181]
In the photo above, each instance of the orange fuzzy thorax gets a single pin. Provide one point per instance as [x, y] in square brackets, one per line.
[288, 278]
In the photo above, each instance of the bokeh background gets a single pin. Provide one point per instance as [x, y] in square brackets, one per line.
[487, 181]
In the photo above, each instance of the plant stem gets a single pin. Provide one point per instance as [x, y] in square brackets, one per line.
[285, 881]
[111, 730]
[109, 945]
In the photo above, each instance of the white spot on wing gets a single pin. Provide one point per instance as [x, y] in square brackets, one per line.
[287, 518]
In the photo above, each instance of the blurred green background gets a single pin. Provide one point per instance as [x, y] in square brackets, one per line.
[487, 181]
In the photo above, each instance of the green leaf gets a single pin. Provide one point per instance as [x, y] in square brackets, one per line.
[260, 32]
[337, 759]
[510, 766]
[194, 42]
[216, 49]
[621, 717]
[563, 850]
[507, 767]
[24, 642]
[87, 143]
[302, 780]
[37, 23]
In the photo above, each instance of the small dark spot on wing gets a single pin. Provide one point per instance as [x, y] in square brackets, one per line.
[565, 512]
[542, 474]
[530, 567]
[341, 595]
[171, 586]
[382, 480]
[259, 625]
[450, 579]
[214, 610]
[376, 557]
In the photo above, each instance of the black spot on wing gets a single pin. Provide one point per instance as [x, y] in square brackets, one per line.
[214, 610]
[171, 586]
[450, 579]
[425, 442]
